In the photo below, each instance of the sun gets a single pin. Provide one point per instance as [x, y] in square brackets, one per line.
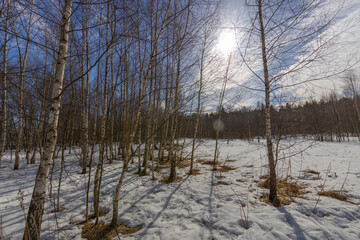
[226, 42]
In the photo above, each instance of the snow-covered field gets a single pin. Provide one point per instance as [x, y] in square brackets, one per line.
[197, 207]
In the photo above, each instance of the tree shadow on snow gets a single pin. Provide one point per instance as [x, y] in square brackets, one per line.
[143, 234]
[298, 231]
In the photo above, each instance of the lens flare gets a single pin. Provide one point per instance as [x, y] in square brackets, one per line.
[218, 125]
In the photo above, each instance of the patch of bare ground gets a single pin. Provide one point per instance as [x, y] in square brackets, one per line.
[166, 180]
[220, 183]
[220, 177]
[195, 172]
[106, 232]
[286, 191]
[339, 195]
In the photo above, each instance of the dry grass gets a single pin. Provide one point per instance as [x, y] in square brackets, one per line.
[184, 162]
[106, 232]
[283, 200]
[2, 232]
[208, 162]
[339, 195]
[286, 191]
[312, 171]
[195, 172]
[225, 168]
[166, 180]
[163, 160]
[220, 183]
[232, 160]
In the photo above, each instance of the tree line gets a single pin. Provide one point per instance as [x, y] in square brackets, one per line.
[332, 118]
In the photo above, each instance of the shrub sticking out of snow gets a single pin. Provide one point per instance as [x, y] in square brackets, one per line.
[312, 171]
[286, 191]
[339, 195]
[165, 180]
[106, 232]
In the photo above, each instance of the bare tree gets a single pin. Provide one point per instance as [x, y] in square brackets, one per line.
[36, 209]
[352, 87]
[22, 64]
[6, 5]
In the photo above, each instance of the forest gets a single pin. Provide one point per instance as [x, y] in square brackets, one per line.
[179, 119]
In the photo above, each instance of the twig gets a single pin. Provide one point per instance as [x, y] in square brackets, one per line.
[322, 186]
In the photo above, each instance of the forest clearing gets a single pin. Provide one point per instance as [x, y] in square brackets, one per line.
[179, 119]
[213, 204]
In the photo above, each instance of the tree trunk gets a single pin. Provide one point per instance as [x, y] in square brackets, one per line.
[85, 92]
[198, 104]
[99, 169]
[36, 209]
[4, 85]
[273, 191]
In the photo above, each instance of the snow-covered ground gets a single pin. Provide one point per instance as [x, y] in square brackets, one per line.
[196, 208]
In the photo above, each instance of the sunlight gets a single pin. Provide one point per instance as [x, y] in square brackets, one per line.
[226, 41]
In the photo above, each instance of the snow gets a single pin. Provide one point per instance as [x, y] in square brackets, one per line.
[194, 208]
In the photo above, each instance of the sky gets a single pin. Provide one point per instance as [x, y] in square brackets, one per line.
[341, 52]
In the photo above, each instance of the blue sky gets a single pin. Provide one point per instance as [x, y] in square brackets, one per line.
[340, 53]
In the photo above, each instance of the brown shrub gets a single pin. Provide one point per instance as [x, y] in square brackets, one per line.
[285, 189]
[312, 171]
[339, 195]
[106, 232]
[166, 180]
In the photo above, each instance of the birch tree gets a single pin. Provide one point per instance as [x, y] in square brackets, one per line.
[36, 209]
[288, 36]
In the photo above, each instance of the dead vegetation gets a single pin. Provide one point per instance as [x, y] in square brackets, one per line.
[220, 183]
[2, 232]
[225, 168]
[195, 172]
[339, 195]
[231, 160]
[166, 180]
[208, 162]
[184, 162]
[106, 232]
[286, 191]
[312, 171]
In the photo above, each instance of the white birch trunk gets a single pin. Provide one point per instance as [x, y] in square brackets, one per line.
[36, 209]
[273, 192]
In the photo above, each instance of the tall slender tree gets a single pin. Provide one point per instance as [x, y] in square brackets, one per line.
[36, 209]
